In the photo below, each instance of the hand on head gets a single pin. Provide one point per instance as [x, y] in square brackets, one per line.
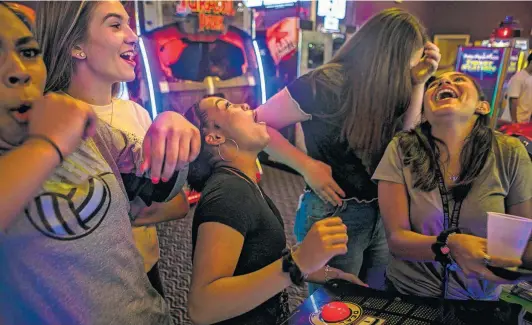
[428, 64]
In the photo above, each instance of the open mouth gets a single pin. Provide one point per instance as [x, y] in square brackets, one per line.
[22, 113]
[255, 118]
[129, 57]
[446, 93]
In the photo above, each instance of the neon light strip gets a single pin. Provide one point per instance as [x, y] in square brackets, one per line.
[148, 77]
[299, 44]
[137, 19]
[147, 69]
[261, 72]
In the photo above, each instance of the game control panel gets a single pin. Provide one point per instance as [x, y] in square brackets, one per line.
[343, 313]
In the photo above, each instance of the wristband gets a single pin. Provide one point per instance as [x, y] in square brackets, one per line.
[49, 141]
[440, 248]
[290, 267]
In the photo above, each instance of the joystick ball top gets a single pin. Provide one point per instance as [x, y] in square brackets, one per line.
[335, 312]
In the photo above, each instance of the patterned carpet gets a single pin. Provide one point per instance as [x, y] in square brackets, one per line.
[176, 244]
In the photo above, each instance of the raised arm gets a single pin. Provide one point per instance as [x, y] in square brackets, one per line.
[413, 113]
[421, 73]
[130, 156]
[283, 110]
[23, 170]
[278, 112]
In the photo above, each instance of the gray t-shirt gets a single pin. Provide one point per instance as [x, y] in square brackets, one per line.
[505, 180]
[69, 257]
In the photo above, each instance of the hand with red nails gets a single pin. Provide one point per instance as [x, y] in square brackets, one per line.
[428, 65]
[170, 144]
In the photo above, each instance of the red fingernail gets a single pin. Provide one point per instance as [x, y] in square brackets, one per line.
[164, 180]
[154, 180]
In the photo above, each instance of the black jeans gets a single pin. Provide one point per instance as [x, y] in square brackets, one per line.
[155, 279]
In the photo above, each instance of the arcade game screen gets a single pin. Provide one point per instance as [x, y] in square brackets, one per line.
[199, 60]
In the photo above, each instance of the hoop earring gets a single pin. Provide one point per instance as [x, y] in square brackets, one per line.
[220, 153]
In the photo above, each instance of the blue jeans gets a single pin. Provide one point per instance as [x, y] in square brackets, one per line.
[368, 252]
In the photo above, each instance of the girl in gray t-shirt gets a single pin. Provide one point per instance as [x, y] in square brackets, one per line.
[67, 254]
[481, 168]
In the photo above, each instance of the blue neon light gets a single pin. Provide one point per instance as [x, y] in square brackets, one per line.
[261, 72]
[137, 18]
[147, 69]
[148, 78]
[123, 93]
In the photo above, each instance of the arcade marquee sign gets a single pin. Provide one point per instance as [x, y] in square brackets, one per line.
[211, 14]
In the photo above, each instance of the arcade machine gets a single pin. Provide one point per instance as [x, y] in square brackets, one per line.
[276, 26]
[292, 46]
[190, 50]
[317, 47]
[508, 35]
[343, 303]
[492, 68]
[495, 62]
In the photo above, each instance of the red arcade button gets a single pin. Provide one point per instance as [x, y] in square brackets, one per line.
[334, 312]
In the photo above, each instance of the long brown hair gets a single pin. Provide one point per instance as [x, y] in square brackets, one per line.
[376, 83]
[61, 25]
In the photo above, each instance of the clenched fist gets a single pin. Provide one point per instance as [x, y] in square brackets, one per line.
[326, 239]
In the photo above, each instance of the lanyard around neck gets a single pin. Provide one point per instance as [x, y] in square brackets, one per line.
[449, 221]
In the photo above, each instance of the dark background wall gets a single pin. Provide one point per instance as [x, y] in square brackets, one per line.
[476, 18]
[453, 17]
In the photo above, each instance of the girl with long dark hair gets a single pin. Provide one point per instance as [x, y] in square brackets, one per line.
[241, 264]
[350, 109]
[436, 185]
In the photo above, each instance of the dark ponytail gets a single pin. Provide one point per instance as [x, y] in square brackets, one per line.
[202, 168]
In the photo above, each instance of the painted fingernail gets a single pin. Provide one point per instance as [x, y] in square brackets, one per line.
[154, 180]
[164, 179]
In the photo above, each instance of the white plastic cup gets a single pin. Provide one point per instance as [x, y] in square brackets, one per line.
[508, 235]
